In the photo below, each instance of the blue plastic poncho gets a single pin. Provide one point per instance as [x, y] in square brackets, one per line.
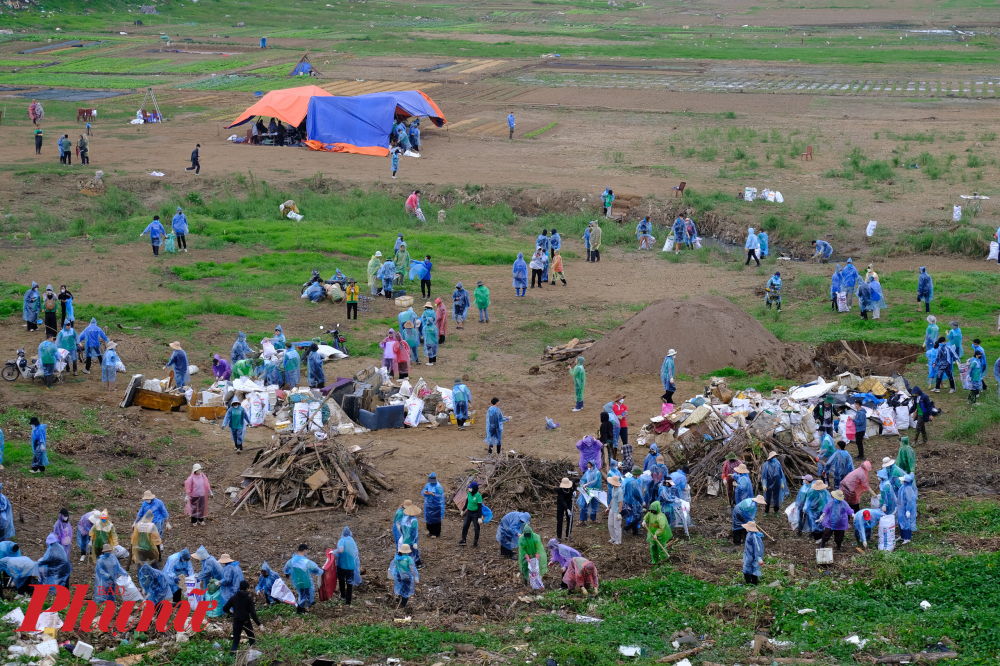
[744, 488]
[403, 572]
[301, 570]
[347, 555]
[841, 464]
[32, 304]
[462, 397]
[177, 568]
[155, 586]
[265, 581]
[460, 302]
[232, 576]
[849, 276]
[772, 475]
[591, 481]
[240, 349]
[91, 338]
[650, 458]
[836, 282]
[433, 502]
[67, 339]
[753, 243]
[179, 222]
[955, 339]
[878, 297]
[823, 249]
[155, 230]
[387, 274]
[54, 567]
[159, 509]
[931, 355]
[863, 529]
[210, 567]
[8, 549]
[6, 518]
[679, 231]
[2, 446]
[906, 505]
[887, 494]
[494, 426]
[680, 480]
[21, 568]
[764, 244]
[815, 502]
[510, 529]
[315, 365]
[925, 286]
[106, 574]
[744, 512]
[555, 241]
[753, 553]
[430, 336]
[865, 297]
[542, 242]
[667, 374]
[109, 366]
[632, 506]
[179, 362]
[39, 447]
[293, 372]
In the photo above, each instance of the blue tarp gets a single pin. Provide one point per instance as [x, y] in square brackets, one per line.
[362, 124]
[302, 68]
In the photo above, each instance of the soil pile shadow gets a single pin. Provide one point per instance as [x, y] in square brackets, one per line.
[709, 333]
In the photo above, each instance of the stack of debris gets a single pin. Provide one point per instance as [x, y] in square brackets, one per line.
[514, 482]
[571, 349]
[304, 474]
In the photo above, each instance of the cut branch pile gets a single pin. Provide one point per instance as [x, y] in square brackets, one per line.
[571, 349]
[752, 448]
[302, 475]
[515, 482]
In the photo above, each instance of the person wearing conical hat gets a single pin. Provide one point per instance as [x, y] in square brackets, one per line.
[109, 366]
[107, 569]
[564, 507]
[146, 542]
[179, 362]
[836, 515]
[753, 553]
[151, 502]
[745, 512]
[102, 534]
[232, 576]
[744, 487]
[198, 490]
[410, 531]
[403, 573]
[816, 500]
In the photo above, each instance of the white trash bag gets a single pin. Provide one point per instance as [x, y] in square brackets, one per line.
[871, 228]
[994, 251]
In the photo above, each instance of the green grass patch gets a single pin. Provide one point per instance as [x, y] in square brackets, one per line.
[973, 518]
[539, 131]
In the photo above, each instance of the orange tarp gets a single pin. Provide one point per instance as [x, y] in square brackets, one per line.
[289, 105]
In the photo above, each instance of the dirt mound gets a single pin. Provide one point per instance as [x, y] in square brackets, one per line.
[708, 333]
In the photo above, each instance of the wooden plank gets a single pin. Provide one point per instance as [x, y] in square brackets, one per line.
[317, 480]
[272, 474]
[130, 390]
[915, 657]
[295, 513]
[159, 401]
[210, 413]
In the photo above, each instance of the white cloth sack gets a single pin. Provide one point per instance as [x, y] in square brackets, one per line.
[842, 305]
[405, 390]
[792, 513]
[128, 589]
[257, 409]
[994, 251]
[963, 369]
[871, 228]
[414, 411]
[888, 417]
[281, 592]
[535, 575]
[902, 417]
[887, 532]
[669, 245]
[447, 398]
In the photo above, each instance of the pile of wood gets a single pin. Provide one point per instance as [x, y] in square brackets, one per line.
[303, 475]
[752, 446]
[514, 482]
[571, 349]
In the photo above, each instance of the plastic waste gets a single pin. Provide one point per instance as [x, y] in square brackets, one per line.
[550, 424]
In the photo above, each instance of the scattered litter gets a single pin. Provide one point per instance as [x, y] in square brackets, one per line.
[803, 611]
[585, 619]
[16, 616]
[855, 640]
[158, 174]
[550, 424]
[925, 604]
[630, 650]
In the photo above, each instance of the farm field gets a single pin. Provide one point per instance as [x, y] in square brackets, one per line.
[863, 111]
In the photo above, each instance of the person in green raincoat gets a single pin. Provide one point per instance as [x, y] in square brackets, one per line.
[906, 460]
[402, 261]
[242, 368]
[292, 362]
[529, 544]
[657, 533]
[482, 297]
[579, 381]
[374, 266]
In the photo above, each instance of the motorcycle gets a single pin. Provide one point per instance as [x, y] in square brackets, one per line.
[20, 367]
[339, 341]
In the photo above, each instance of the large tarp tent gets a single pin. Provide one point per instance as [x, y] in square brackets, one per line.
[362, 124]
[289, 105]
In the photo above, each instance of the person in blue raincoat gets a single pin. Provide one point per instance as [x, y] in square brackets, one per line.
[415, 134]
[823, 251]
[925, 289]
[232, 576]
[744, 512]
[109, 367]
[403, 573]
[744, 486]
[151, 502]
[775, 484]
[650, 458]
[866, 525]
[931, 333]
[176, 570]
[669, 498]
[944, 364]
[555, 243]
[680, 234]
[643, 231]
[273, 376]
[865, 303]
[106, 573]
[179, 362]
[300, 569]
[409, 530]
[616, 424]
[841, 464]
[460, 306]
[887, 491]
[433, 493]
[816, 500]
[849, 280]
[237, 419]
[494, 426]
[241, 349]
[278, 339]
[430, 330]
[772, 292]
[9, 549]
[800, 500]
[955, 338]
[314, 363]
[586, 239]
[836, 286]
[462, 397]
[387, 274]
[32, 307]
[752, 246]
[542, 242]
[67, 340]
[826, 450]
[977, 348]
[91, 338]
[765, 248]
[154, 584]
[520, 275]
[39, 446]
[753, 554]
[265, 582]
[210, 567]
[667, 377]
[509, 530]
[591, 481]
[878, 297]
[23, 571]
[632, 506]
[157, 234]
[54, 567]
[906, 509]
[293, 370]
[180, 226]
[691, 231]
[348, 564]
